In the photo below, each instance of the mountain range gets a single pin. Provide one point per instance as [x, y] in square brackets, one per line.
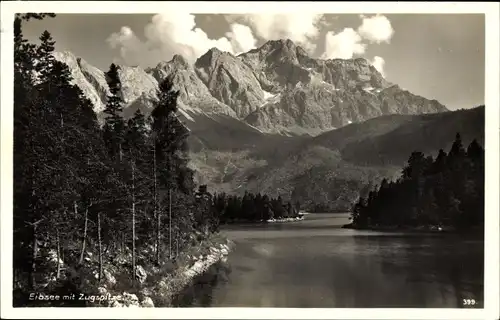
[277, 121]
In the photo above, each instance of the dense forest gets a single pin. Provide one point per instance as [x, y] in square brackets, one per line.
[84, 192]
[89, 196]
[446, 192]
[227, 209]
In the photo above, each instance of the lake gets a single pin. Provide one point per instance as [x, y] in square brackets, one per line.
[316, 263]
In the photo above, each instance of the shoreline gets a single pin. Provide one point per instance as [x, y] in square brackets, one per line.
[415, 230]
[264, 222]
[299, 218]
[161, 293]
[167, 288]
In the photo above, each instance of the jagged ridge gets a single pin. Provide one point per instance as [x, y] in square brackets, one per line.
[276, 88]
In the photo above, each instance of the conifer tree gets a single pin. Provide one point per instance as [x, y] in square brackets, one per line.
[457, 149]
[168, 136]
[447, 191]
[46, 48]
[114, 127]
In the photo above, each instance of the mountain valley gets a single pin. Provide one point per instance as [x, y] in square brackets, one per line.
[276, 121]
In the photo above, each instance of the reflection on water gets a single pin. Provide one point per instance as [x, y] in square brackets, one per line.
[315, 263]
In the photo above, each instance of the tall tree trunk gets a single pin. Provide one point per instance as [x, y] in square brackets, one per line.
[156, 212]
[169, 184]
[170, 222]
[84, 236]
[100, 244]
[120, 151]
[58, 274]
[177, 243]
[34, 256]
[133, 223]
[75, 205]
[123, 242]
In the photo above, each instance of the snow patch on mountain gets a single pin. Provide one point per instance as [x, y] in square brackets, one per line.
[186, 115]
[370, 90]
[268, 95]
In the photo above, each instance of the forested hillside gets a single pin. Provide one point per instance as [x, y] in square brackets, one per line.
[94, 204]
[442, 192]
[329, 172]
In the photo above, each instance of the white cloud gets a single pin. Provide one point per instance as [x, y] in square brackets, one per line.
[130, 46]
[343, 45]
[242, 38]
[378, 63]
[376, 29]
[176, 32]
[173, 33]
[349, 42]
[302, 29]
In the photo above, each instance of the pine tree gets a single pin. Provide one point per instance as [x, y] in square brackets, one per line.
[136, 142]
[475, 151]
[78, 188]
[415, 166]
[43, 169]
[46, 48]
[457, 149]
[446, 191]
[114, 127]
[169, 136]
[25, 55]
[439, 164]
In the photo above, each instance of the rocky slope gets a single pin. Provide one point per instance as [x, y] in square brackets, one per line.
[193, 94]
[139, 87]
[252, 116]
[88, 78]
[314, 95]
[276, 88]
[230, 81]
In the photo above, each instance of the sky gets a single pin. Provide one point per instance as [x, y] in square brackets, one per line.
[437, 56]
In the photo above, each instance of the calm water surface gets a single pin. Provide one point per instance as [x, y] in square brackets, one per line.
[316, 263]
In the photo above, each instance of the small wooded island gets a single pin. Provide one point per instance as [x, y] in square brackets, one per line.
[255, 208]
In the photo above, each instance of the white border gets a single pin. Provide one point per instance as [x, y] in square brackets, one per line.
[491, 310]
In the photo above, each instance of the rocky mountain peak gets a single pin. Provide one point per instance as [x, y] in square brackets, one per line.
[180, 61]
[211, 57]
[278, 88]
[361, 61]
[230, 81]
[280, 43]
[214, 50]
[276, 50]
[166, 68]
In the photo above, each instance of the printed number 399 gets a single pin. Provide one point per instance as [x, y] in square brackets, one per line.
[468, 302]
